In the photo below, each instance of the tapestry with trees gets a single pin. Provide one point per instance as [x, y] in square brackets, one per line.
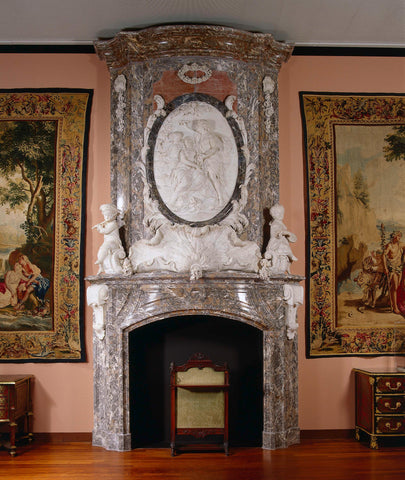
[355, 178]
[43, 154]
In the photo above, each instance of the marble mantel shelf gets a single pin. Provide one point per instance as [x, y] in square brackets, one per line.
[173, 277]
[146, 297]
[137, 300]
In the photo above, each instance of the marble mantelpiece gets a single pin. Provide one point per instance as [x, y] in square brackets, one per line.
[144, 298]
[155, 72]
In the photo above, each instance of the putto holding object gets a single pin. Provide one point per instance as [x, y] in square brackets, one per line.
[111, 255]
[278, 256]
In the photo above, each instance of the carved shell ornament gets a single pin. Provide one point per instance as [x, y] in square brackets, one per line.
[194, 73]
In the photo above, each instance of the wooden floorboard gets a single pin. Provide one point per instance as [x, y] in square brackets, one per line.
[339, 459]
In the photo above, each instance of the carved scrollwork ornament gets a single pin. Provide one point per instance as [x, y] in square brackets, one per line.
[97, 296]
[120, 86]
[268, 89]
[193, 68]
[294, 296]
[195, 271]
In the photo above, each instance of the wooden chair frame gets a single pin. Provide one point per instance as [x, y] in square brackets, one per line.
[199, 361]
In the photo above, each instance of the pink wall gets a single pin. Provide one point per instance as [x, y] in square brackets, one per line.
[326, 387]
[63, 395]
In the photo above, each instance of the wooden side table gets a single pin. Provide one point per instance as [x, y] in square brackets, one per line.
[16, 406]
[380, 404]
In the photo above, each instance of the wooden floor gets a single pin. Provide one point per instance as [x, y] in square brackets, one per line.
[340, 459]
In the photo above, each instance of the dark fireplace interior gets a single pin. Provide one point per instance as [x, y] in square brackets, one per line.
[154, 346]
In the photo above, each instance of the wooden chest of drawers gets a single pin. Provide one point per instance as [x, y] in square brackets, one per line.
[16, 406]
[380, 404]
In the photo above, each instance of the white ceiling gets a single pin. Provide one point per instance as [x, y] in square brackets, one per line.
[359, 23]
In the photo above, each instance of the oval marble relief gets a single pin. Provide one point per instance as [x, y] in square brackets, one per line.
[195, 162]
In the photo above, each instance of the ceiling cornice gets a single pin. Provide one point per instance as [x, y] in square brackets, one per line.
[298, 50]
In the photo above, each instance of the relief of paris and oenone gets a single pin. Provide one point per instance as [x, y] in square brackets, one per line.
[195, 161]
[370, 225]
[27, 154]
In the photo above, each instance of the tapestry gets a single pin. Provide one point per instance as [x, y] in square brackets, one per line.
[43, 154]
[355, 176]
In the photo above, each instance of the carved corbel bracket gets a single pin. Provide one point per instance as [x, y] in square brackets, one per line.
[97, 296]
[294, 296]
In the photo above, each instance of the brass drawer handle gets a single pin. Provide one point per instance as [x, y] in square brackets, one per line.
[388, 385]
[388, 405]
[388, 425]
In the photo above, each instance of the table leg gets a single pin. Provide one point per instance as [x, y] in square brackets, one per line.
[373, 442]
[13, 448]
[12, 423]
[29, 426]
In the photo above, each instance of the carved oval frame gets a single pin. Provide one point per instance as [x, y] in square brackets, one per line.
[151, 144]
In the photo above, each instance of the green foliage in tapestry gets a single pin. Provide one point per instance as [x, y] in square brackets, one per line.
[27, 158]
[360, 190]
[27, 154]
[395, 148]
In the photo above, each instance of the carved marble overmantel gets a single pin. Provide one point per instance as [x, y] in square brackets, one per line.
[155, 61]
[194, 168]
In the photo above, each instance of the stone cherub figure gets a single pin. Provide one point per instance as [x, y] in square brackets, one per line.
[111, 257]
[278, 256]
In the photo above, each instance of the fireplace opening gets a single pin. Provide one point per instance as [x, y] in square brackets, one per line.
[154, 346]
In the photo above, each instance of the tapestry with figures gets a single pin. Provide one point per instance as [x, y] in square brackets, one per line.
[355, 175]
[43, 154]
